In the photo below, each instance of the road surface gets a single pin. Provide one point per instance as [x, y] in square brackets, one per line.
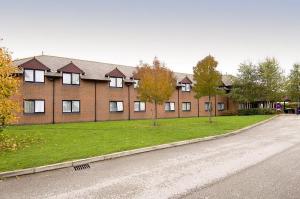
[262, 162]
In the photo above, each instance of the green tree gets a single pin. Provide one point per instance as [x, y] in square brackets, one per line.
[9, 86]
[271, 80]
[156, 84]
[293, 84]
[245, 87]
[207, 80]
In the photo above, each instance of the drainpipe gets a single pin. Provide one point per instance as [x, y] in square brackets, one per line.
[95, 101]
[128, 102]
[178, 105]
[53, 101]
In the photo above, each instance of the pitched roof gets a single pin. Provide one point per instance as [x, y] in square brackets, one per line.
[115, 73]
[96, 70]
[185, 80]
[33, 63]
[70, 68]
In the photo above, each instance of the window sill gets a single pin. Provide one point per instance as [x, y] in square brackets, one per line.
[34, 82]
[71, 84]
[71, 112]
[39, 113]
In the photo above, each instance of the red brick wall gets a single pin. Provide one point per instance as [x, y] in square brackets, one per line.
[105, 94]
[35, 91]
[85, 92]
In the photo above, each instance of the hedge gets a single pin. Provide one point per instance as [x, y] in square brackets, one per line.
[257, 111]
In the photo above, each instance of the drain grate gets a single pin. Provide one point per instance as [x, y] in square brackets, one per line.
[81, 167]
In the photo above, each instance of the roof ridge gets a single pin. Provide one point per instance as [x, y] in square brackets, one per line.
[85, 60]
[98, 62]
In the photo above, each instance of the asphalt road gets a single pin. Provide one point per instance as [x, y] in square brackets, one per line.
[263, 162]
[276, 177]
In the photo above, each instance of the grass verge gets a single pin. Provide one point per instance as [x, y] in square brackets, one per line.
[62, 142]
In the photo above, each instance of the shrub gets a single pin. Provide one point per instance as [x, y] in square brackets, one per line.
[257, 111]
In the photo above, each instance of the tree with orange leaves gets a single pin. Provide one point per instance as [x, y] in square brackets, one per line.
[9, 86]
[156, 84]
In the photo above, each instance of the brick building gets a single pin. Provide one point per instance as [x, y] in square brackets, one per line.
[57, 89]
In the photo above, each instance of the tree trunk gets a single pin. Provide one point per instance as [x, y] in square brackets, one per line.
[155, 114]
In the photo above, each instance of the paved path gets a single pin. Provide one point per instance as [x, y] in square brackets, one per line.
[276, 177]
[181, 171]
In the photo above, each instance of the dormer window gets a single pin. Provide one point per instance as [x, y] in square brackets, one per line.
[186, 84]
[71, 78]
[116, 82]
[186, 87]
[71, 74]
[116, 78]
[31, 75]
[34, 71]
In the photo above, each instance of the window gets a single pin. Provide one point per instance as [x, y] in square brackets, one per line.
[186, 87]
[29, 75]
[34, 75]
[186, 106]
[67, 78]
[71, 78]
[116, 106]
[221, 106]
[170, 106]
[71, 106]
[136, 83]
[39, 76]
[207, 106]
[34, 106]
[116, 82]
[139, 106]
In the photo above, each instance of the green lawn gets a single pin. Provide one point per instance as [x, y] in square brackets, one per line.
[62, 142]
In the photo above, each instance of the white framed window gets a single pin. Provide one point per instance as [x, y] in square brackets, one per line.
[221, 106]
[116, 106]
[71, 78]
[39, 76]
[75, 106]
[136, 83]
[75, 78]
[207, 106]
[170, 106]
[186, 87]
[186, 106]
[71, 106]
[116, 82]
[34, 106]
[67, 78]
[39, 106]
[139, 106]
[31, 75]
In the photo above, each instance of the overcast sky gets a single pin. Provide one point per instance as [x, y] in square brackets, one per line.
[180, 33]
